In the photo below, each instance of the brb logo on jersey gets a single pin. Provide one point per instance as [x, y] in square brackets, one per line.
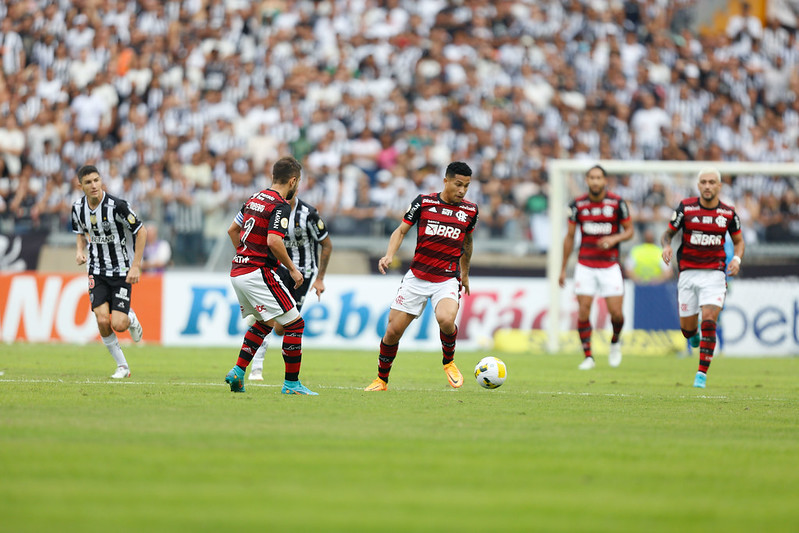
[441, 230]
[597, 228]
[703, 239]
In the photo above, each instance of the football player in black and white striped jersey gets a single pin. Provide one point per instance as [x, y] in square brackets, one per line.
[103, 224]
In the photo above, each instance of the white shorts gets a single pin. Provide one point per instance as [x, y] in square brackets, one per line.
[413, 293]
[696, 288]
[262, 294]
[602, 282]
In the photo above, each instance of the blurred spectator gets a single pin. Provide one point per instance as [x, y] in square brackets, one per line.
[12, 144]
[745, 26]
[214, 203]
[772, 217]
[157, 253]
[644, 264]
[23, 206]
[365, 150]
[226, 87]
[187, 220]
[13, 52]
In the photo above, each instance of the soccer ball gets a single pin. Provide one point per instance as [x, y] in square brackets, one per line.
[490, 372]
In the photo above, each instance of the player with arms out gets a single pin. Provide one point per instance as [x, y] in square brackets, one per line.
[102, 223]
[440, 267]
[701, 259]
[600, 215]
[305, 236]
[257, 233]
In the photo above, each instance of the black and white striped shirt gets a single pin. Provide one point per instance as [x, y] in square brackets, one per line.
[106, 229]
[306, 230]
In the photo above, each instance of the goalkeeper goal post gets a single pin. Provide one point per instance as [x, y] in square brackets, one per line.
[561, 170]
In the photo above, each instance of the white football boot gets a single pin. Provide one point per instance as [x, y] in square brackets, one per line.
[121, 373]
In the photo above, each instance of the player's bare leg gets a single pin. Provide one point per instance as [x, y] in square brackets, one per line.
[689, 327]
[584, 302]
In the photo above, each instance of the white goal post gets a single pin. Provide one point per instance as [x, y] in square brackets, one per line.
[559, 171]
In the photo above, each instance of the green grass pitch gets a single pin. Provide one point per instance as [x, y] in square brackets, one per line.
[635, 448]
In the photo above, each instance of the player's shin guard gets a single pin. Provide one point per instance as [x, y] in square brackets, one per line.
[448, 346]
[707, 344]
[292, 348]
[252, 341]
[584, 330]
[617, 325]
[386, 359]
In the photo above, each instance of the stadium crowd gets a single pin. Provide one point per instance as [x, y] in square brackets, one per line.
[183, 105]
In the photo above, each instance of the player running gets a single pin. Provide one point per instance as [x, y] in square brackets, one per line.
[440, 267]
[600, 214]
[102, 222]
[701, 259]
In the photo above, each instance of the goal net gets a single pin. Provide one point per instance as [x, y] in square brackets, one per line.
[652, 190]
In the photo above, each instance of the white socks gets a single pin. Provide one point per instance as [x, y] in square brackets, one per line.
[112, 344]
[258, 359]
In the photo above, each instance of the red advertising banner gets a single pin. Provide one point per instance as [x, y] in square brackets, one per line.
[42, 307]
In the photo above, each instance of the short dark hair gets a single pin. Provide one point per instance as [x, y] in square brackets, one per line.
[602, 170]
[85, 170]
[458, 168]
[286, 168]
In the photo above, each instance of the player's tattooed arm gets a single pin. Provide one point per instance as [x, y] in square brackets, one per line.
[668, 235]
[466, 256]
[465, 262]
[665, 243]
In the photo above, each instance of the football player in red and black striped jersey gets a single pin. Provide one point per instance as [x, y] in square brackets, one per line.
[439, 269]
[260, 290]
[604, 221]
[705, 221]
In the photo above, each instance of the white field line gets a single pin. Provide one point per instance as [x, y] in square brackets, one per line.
[131, 383]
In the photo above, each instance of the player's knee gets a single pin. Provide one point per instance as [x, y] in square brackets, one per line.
[392, 335]
[103, 322]
[120, 324]
[298, 326]
[447, 325]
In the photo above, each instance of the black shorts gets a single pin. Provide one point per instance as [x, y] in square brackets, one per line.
[299, 293]
[114, 290]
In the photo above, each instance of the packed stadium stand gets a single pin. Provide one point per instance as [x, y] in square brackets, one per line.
[184, 106]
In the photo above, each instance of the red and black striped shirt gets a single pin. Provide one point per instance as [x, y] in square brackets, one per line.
[442, 228]
[703, 234]
[597, 220]
[264, 213]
